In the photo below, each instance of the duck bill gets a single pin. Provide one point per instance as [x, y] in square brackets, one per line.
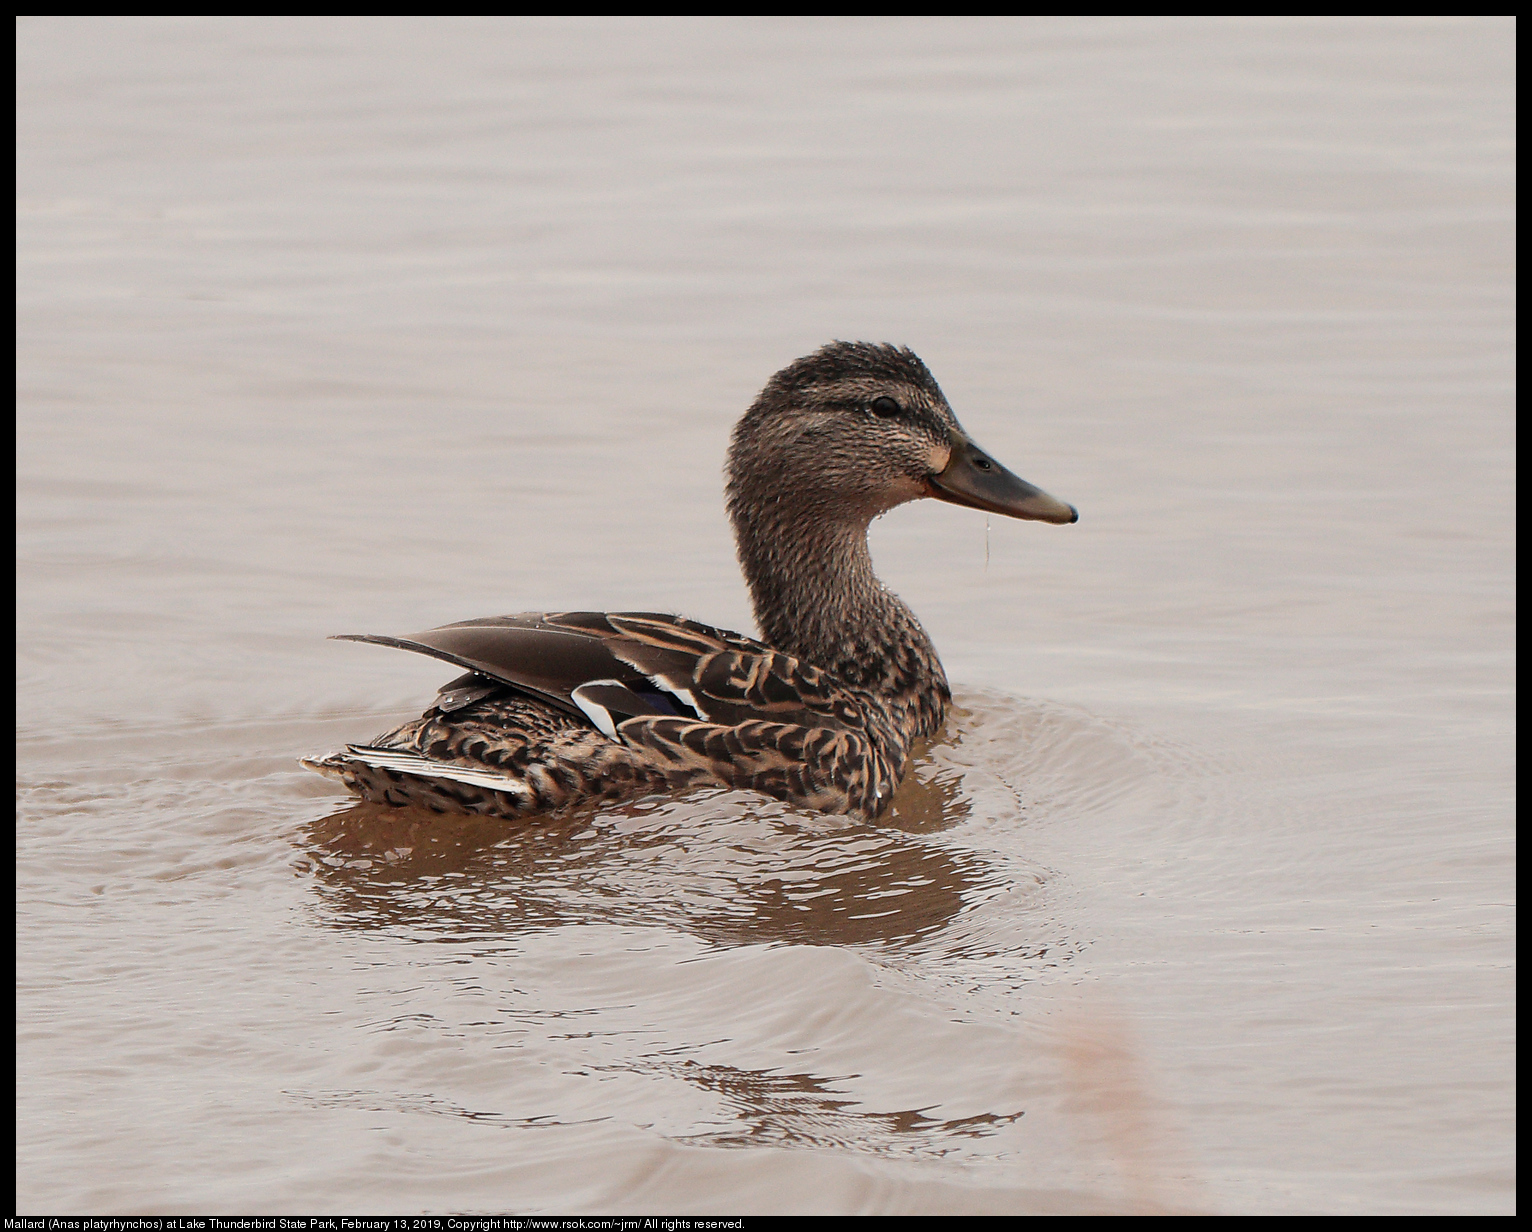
[973, 478]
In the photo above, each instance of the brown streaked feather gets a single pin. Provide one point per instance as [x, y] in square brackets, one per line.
[772, 724]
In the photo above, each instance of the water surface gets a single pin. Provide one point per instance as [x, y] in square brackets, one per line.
[1203, 899]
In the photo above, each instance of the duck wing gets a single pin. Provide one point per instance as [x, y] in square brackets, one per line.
[613, 666]
[523, 651]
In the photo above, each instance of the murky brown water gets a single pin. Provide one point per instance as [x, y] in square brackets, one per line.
[1204, 901]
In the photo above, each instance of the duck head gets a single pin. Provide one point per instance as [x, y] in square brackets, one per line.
[855, 429]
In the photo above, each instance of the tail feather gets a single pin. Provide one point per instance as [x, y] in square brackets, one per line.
[402, 761]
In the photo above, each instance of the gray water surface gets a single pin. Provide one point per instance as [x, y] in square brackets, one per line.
[1202, 901]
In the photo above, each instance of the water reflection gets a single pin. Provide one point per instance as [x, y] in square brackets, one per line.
[756, 1108]
[771, 1108]
[729, 867]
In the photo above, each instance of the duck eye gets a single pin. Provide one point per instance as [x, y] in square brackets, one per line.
[885, 408]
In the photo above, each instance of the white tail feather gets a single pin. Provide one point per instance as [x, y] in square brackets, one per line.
[403, 762]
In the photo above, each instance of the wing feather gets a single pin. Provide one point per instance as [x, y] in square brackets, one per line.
[724, 677]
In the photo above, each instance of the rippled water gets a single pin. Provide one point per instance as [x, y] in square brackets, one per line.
[1203, 899]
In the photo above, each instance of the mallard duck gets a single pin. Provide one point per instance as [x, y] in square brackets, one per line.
[821, 711]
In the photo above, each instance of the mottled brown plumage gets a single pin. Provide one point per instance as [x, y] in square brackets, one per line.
[822, 711]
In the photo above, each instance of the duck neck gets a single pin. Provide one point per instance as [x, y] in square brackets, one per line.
[817, 598]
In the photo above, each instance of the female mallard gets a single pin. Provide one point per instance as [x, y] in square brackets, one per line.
[821, 712]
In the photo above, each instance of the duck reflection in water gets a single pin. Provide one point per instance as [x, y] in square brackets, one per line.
[727, 867]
